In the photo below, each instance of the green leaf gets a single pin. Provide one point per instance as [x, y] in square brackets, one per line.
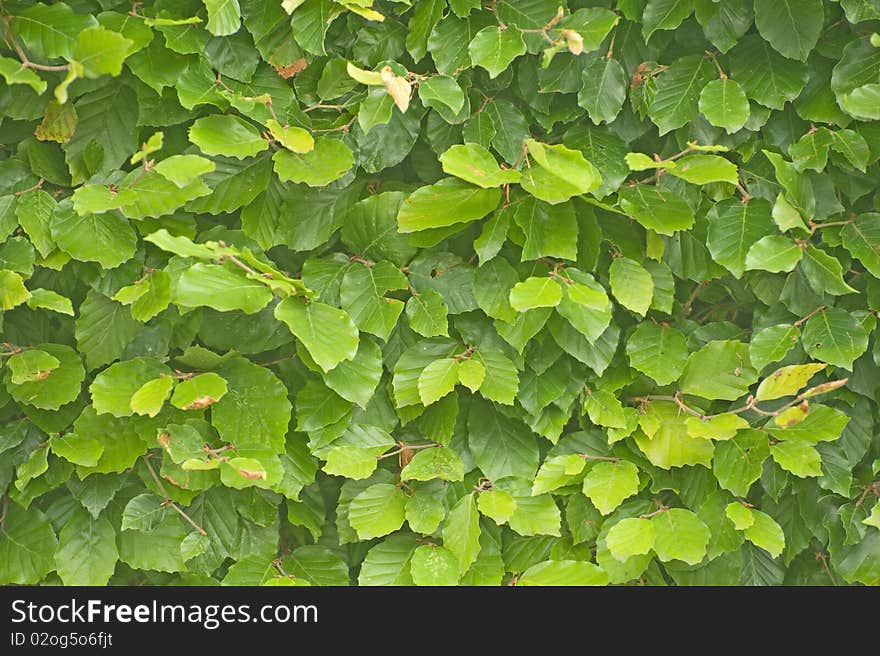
[433, 565]
[664, 15]
[608, 484]
[657, 351]
[631, 284]
[535, 293]
[49, 300]
[427, 314]
[735, 227]
[703, 169]
[725, 105]
[77, 449]
[494, 48]
[425, 512]
[821, 424]
[765, 533]
[787, 381]
[720, 427]
[461, 533]
[772, 344]
[604, 409]
[356, 462]
[329, 160]
[377, 511]
[34, 211]
[86, 553]
[792, 27]
[183, 169]
[501, 447]
[437, 380]
[101, 51]
[151, 396]
[824, 272]
[114, 387]
[798, 458]
[680, 535]
[773, 253]
[558, 173]
[428, 464]
[32, 365]
[656, 209]
[107, 239]
[664, 440]
[50, 31]
[675, 102]
[60, 387]
[293, 138]
[221, 288]
[27, 546]
[355, 380]
[550, 230]
[563, 572]
[862, 239]
[834, 336]
[719, 370]
[496, 504]
[473, 163]
[199, 391]
[442, 91]
[766, 76]
[448, 202]
[328, 333]
[227, 135]
[604, 89]
[738, 461]
[255, 412]
[224, 16]
[14, 73]
[363, 297]
[631, 536]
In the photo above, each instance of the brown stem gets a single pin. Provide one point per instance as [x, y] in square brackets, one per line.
[803, 320]
[830, 224]
[714, 59]
[823, 558]
[659, 510]
[686, 308]
[239, 264]
[403, 446]
[39, 185]
[466, 354]
[168, 500]
[312, 108]
[360, 260]
[587, 456]
[25, 62]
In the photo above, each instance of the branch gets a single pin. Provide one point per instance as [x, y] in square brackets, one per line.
[812, 314]
[405, 447]
[25, 62]
[168, 501]
[587, 456]
[659, 510]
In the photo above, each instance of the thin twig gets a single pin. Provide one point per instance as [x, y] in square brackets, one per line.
[168, 500]
[405, 447]
[587, 456]
[804, 319]
[659, 510]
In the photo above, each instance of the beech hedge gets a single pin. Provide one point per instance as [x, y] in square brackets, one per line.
[511, 292]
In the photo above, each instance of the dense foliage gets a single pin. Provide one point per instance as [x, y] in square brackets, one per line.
[377, 292]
